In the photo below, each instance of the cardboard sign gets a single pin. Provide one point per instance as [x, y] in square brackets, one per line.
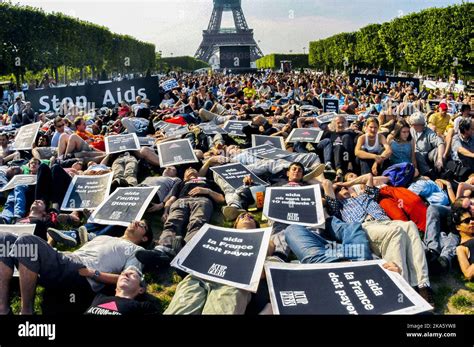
[20, 180]
[433, 104]
[122, 143]
[211, 129]
[165, 126]
[51, 99]
[26, 136]
[269, 152]
[176, 133]
[235, 173]
[176, 153]
[123, 206]
[275, 141]
[86, 192]
[294, 205]
[234, 257]
[331, 105]
[305, 135]
[234, 127]
[355, 288]
[169, 85]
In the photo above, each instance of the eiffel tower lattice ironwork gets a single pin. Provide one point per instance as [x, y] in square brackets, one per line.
[215, 36]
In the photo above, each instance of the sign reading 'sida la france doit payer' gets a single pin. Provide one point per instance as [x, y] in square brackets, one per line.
[235, 173]
[176, 153]
[354, 288]
[86, 192]
[123, 206]
[275, 141]
[294, 205]
[26, 136]
[121, 143]
[233, 257]
[331, 105]
[305, 135]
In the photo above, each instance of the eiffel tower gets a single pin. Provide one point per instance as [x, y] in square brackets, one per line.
[215, 36]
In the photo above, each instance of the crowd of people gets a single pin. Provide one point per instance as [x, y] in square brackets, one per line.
[395, 172]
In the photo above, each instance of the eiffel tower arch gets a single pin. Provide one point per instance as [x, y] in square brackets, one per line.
[215, 36]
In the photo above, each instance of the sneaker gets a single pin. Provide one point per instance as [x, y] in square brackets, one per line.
[427, 294]
[67, 238]
[231, 212]
[160, 256]
[328, 167]
[315, 172]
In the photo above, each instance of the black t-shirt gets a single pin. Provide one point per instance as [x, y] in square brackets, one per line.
[104, 305]
[185, 187]
[470, 244]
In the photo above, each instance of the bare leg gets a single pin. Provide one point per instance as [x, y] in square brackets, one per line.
[28, 281]
[63, 140]
[75, 144]
[6, 274]
[149, 155]
[448, 141]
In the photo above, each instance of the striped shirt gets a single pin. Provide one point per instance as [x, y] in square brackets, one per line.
[359, 209]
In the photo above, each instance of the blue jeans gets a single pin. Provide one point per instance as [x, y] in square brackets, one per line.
[349, 242]
[326, 146]
[15, 206]
[435, 240]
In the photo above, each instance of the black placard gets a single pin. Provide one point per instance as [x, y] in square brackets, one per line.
[86, 192]
[294, 205]
[123, 206]
[122, 143]
[235, 173]
[305, 135]
[96, 95]
[26, 136]
[275, 141]
[331, 105]
[211, 129]
[234, 127]
[176, 153]
[229, 256]
[357, 288]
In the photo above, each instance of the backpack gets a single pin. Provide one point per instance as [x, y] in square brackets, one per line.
[400, 174]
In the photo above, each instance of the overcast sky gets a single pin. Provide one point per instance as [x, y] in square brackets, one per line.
[175, 26]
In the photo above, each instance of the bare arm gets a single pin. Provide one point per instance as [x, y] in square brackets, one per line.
[360, 153]
[466, 268]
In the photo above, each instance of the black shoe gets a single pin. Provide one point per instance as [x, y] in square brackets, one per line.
[427, 294]
[159, 257]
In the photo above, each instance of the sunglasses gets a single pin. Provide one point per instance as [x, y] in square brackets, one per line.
[467, 220]
[247, 216]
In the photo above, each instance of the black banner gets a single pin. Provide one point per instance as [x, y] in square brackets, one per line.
[121, 143]
[123, 206]
[414, 82]
[95, 95]
[358, 288]
[86, 192]
[235, 173]
[331, 105]
[275, 141]
[229, 256]
[176, 152]
[305, 135]
[294, 205]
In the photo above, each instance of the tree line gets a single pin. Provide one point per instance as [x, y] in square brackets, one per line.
[273, 61]
[32, 40]
[435, 41]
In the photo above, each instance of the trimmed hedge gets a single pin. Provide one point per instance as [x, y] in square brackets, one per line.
[184, 63]
[33, 40]
[426, 41]
[273, 61]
